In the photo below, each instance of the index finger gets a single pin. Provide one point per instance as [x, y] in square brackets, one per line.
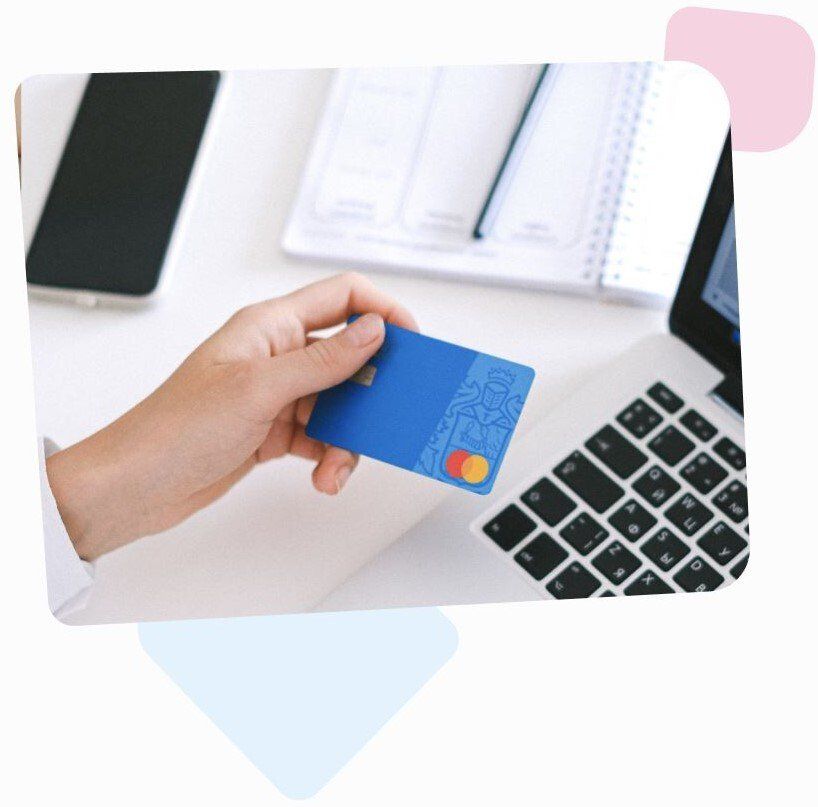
[330, 302]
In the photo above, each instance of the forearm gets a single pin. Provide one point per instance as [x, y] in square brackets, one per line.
[92, 496]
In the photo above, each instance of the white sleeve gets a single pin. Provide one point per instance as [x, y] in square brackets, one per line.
[69, 577]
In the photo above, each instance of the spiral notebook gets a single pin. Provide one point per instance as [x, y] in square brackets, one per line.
[604, 199]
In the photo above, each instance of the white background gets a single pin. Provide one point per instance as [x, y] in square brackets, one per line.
[671, 700]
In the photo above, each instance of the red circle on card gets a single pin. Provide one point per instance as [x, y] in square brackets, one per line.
[454, 463]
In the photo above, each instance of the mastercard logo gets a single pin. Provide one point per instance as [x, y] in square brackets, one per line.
[471, 468]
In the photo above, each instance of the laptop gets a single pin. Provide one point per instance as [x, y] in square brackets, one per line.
[635, 484]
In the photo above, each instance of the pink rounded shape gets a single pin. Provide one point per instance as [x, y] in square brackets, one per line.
[765, 64]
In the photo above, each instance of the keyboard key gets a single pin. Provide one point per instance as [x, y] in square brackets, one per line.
[669, 401]
[703, 473]
[665, 549]
[548, 502]
[731, 453]
[739, 568]
[583, 533]
[671, 445]
[616, 562]
[722, 543]
[698, 576]
[607, 593]
[657, 486]
[509, 527]
[697, 425]
[632, 520]
[541, 556]
[648, 583]
[688, 514]
[619, 454]
[588, 482]
[732, 501]
[639, 418]
[573, 582]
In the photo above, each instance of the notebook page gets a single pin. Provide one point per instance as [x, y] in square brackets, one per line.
[403, 161]
[675, 150]
[370, 157]
[537, 209]
[448, 184]
[563, 195]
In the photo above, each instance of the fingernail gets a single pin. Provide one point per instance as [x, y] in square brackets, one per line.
[341, 477]
[364, 330]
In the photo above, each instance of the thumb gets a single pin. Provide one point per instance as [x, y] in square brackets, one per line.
[326, 362]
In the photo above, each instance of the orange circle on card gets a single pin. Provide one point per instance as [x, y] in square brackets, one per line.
[454, 463]
[475, 469]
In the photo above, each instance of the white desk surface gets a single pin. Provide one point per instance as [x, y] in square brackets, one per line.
[272, 544]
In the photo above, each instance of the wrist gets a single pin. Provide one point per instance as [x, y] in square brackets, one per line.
[86, 485]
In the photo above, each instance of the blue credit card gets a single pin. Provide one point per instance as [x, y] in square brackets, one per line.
[428, 406]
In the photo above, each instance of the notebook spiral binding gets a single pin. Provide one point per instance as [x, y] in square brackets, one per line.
[636, 79]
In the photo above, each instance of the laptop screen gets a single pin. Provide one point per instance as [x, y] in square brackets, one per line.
[705, 311]
[721, 287]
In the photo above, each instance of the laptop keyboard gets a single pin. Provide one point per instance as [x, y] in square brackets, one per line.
[655, 502]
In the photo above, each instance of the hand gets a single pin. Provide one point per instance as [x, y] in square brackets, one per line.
[242, 397]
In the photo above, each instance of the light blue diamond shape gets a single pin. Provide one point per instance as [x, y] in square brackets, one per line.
[301, 695]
